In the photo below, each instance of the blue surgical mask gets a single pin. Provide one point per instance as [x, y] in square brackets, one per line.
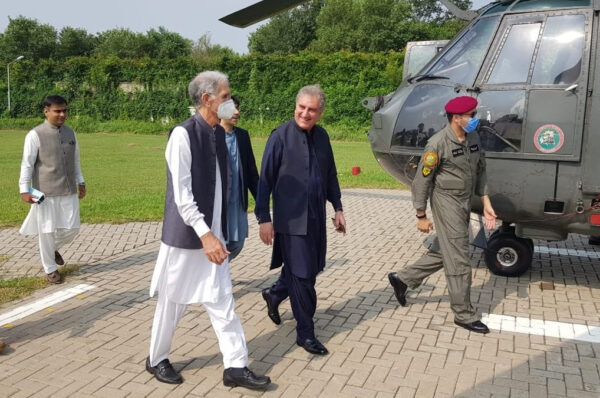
[472, 125]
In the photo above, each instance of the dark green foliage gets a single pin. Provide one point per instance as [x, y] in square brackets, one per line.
[432, 10]
[24, 36]
[27, 37]
[289, 32]
[75, 43]
[156, 90]
[327, 26]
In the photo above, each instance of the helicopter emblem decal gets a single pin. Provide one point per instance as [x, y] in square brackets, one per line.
[549, 138]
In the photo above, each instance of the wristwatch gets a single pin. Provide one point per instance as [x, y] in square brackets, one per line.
[422, 216]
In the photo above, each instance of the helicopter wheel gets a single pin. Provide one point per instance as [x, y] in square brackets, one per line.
[507, 254]
[594, 240]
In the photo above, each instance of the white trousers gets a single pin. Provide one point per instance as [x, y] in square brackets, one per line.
[225, 322]
[51, 242]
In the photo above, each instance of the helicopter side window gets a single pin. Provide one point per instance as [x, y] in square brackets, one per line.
[514, 61]
[501, 115]
[561, 50]
[461, 62]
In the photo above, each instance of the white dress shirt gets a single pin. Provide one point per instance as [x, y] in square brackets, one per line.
[191, 276]
[55, 212]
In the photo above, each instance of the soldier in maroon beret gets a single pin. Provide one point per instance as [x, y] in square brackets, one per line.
[451, 170]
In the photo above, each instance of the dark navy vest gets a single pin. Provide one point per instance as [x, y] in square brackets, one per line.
[206, 146]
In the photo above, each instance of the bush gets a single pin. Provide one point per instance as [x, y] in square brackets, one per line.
[156, 96]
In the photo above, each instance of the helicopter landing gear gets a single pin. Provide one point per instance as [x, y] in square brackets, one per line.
[507, 254]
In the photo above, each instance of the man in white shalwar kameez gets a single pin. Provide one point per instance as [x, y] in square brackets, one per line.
[51, 165]
[192, 264]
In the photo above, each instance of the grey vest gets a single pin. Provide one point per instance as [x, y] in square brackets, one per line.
[54, 169]
[206, 147]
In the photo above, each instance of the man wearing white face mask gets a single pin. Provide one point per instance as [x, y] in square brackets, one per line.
[451, 170]
[192, 265]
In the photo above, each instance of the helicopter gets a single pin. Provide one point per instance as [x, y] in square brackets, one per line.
[531, 64]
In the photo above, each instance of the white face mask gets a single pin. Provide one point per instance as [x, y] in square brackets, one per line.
[226, 110]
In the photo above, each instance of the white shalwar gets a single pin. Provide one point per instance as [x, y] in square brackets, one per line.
[184, 276]
[56, 219]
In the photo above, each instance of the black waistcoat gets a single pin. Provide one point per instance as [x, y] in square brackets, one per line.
[206, 145]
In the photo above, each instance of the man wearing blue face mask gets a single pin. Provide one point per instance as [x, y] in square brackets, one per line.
[451, 170]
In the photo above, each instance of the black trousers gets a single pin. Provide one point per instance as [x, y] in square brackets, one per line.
[303, 299]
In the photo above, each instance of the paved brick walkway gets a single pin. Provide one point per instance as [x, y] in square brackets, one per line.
[95, 344]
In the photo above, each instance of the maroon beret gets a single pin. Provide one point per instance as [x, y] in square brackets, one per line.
[460, 105]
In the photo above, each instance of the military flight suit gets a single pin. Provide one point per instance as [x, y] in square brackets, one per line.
[449, 173]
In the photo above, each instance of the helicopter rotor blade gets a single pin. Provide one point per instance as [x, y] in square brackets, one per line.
[465, 15]
[259, 11]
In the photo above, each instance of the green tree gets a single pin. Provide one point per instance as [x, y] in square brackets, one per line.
[122, 43]
[337, 26]
[378, 25]
[287, 33]
[74, 42]
[165, 44]
[204, 51]
[432, 10]
[24, 36]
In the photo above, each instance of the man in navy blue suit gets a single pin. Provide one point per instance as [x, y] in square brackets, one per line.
[244, 178]
[299, 171]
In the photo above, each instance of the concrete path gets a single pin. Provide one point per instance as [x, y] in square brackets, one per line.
[94, 343]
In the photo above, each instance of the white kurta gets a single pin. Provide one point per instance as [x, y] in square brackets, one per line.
[56, 212]
[190, 276]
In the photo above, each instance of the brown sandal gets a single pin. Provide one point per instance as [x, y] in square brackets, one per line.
[54, 277]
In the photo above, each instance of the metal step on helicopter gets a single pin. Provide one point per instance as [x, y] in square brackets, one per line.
[532, 65]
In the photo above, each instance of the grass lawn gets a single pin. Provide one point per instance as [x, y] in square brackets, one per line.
[125, 175]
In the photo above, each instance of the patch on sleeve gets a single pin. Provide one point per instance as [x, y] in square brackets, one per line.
[430, 159]
[426, 171]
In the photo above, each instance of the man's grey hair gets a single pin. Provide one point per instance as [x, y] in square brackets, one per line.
[206, 82]
[313, 90]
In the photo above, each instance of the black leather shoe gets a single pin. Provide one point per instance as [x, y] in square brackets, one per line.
[58, 258]
[476, 326]
[399, 288]
[313, 346]
[244, 377]
[272, 309]
[164, 372]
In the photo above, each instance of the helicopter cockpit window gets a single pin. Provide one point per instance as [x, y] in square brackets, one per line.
[422, 115]
[548, 4]
[419, 56]
[561, 50]
[461, 62]
[501, 7]
[514, 61]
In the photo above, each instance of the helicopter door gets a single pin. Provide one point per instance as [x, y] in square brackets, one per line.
[418, 54]
[533, 90]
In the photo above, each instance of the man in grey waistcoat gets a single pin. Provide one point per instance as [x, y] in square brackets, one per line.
[51, 166]
[192, 264]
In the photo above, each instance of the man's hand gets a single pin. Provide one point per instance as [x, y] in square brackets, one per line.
[27, 197]
[340, 222]
[490, 217]
[215, 250]
[488, 212]
[424, 225]
[81, 191]
[266, 232]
